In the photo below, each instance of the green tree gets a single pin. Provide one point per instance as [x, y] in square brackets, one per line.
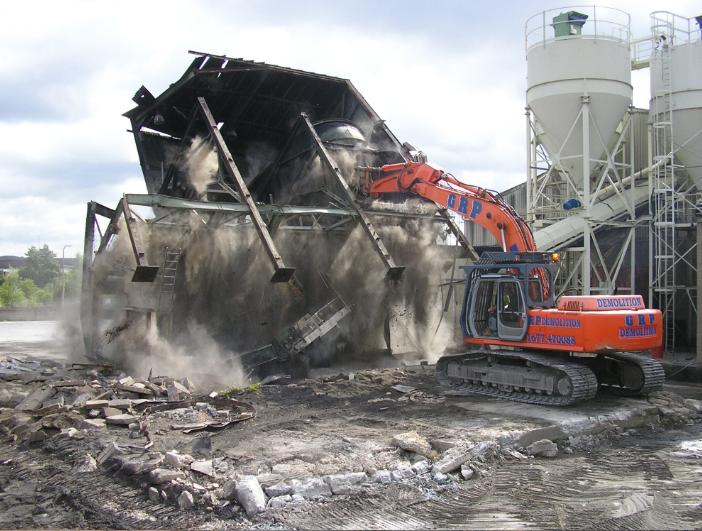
[41, 266]
[34, 295]
[11, 293]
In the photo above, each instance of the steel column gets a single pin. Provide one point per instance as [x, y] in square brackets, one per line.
[282, 272]
[394, 272]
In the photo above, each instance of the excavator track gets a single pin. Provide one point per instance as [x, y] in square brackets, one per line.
[629, 374]
[573, 382]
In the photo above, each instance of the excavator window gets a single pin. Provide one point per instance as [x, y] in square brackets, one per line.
[482, 317]
[511, 311]
[497, 309]
[536, 292]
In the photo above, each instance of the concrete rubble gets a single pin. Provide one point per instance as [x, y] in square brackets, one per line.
[250, 495]
[543, 448]
[161, 447]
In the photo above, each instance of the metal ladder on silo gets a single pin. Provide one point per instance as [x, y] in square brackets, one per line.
[166, 291]
[665, 194]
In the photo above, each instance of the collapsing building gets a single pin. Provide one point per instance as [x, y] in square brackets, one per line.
[255, 229]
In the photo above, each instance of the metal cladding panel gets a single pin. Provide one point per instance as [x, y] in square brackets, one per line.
[560, 73]
[259, 108]
[686, 81]
[639, 130]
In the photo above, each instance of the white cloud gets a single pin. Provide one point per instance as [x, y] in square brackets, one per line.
[81, 61]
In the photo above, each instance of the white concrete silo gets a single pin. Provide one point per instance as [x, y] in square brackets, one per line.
[578, 98]
[566, 73]
[676, 128]
[676, 73]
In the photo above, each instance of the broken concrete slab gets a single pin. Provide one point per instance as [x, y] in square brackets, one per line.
[467, 472]
[92, 424]
[279, 489]
[453, 458]
[120, 403]
[249, 494]
[177, 460]
[203, 467]
[310, 488]
[402, 472]
[35, 399]
[543, 448]
[344, 483]
[95, 404]
[154, 495]
[186, 501]
[108, 452]
[110, 411]
[140, 464]
[381, 476]
[81, 400]
[411, 441]
[86, 464]
[137, 389]
[123, 419]
[422, 467]
[159, 476]
[279, 501]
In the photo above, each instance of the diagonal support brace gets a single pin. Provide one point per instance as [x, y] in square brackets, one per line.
[394, 272]
[282, 272]
[143, 272]
[457, 232]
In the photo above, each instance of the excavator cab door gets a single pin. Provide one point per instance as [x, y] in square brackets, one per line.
[511, 311]
[495, 307]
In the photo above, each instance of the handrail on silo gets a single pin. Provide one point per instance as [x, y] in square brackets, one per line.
[607, 23]
[678, 28]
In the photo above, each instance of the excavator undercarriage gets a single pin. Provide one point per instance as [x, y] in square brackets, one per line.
[525, 345]
[545, 378]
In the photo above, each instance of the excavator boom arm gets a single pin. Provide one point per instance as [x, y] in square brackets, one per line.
[472, 203]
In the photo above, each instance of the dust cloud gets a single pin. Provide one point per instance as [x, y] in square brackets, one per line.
[224, 304]
[200, 164]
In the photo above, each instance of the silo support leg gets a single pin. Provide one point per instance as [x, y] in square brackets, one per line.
[282, 272]
[393, 272]
[143, 272]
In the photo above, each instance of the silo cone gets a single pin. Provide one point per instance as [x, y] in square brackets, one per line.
[562, 73]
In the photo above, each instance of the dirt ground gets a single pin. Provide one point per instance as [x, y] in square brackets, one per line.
[620, 462]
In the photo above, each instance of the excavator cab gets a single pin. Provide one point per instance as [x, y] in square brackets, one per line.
[500, 288]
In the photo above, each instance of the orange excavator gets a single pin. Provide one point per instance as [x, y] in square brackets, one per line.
[524, 346]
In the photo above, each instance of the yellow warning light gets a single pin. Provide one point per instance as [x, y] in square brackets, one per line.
[555, 257]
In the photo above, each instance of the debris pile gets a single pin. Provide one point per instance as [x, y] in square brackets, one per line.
[268, 450]
[263, 234]
[89, 396]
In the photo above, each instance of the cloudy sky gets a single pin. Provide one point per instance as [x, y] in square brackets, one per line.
[448, 76]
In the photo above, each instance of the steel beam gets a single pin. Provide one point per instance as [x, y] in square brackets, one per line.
[394, 272]
[87, 322]
[143, 272]
[112, 228]
[282, 272]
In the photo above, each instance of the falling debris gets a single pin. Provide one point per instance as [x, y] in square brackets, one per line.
[264, 254]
